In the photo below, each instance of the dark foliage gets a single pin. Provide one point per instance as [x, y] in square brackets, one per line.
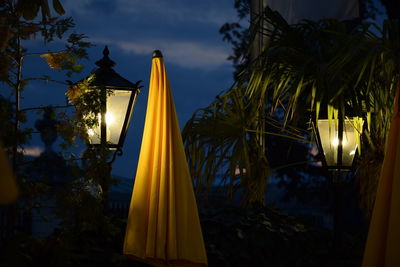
[233, 237]
[94, 246]
[238, 35]
[267, 237]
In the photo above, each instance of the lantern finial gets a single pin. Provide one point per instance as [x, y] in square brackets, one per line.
[105, 62]
[106, 52]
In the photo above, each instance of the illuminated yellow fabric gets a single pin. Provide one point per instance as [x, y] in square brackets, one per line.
[383, 242]
[163, 224]
[8, 188]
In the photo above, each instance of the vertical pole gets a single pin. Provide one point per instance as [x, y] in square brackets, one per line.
[337, 184]
[12, 214]
[256, 11]
[256, 26]
[340, 138]
[19, 60]
[16, 128]
[103, 124]
[106, 173]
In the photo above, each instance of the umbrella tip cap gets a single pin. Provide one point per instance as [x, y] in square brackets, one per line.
[157, 53]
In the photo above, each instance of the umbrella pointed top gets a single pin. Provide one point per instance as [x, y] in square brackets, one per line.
[157, 53]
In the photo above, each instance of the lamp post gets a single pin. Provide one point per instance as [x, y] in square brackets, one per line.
[113, 99]
[338, 141]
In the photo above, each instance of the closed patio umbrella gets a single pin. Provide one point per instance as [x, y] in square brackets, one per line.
[163, 226]
[8, 187]
[383, 242]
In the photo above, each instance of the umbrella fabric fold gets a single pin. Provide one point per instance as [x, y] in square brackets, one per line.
[383, 242]
[163, 226]
[8, 187]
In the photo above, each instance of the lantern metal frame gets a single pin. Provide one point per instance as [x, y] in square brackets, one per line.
[128, 115]
[318, 140]
[105, 79]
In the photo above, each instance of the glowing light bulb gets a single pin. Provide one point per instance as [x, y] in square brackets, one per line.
[109, 118]
[335, 142]
[344, 141]
[90, 132]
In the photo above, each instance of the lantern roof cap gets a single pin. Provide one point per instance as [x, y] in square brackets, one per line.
[110, 78]
[106, 76]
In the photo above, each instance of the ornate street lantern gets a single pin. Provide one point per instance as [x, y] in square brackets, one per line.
[117, 100]
[338, 141]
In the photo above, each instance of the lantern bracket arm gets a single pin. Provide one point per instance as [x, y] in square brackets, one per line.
[117, 152]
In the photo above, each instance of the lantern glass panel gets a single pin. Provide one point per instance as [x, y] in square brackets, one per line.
[94, 133]
[117, 107]
[328, 132]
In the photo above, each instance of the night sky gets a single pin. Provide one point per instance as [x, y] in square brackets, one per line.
[186, 31]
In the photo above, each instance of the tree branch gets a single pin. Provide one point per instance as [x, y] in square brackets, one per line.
[39, 54]
[45, 79]
[36, 108]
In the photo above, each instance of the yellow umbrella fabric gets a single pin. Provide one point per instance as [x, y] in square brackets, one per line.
[383, 242]
[163, 226]
[8, 187]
